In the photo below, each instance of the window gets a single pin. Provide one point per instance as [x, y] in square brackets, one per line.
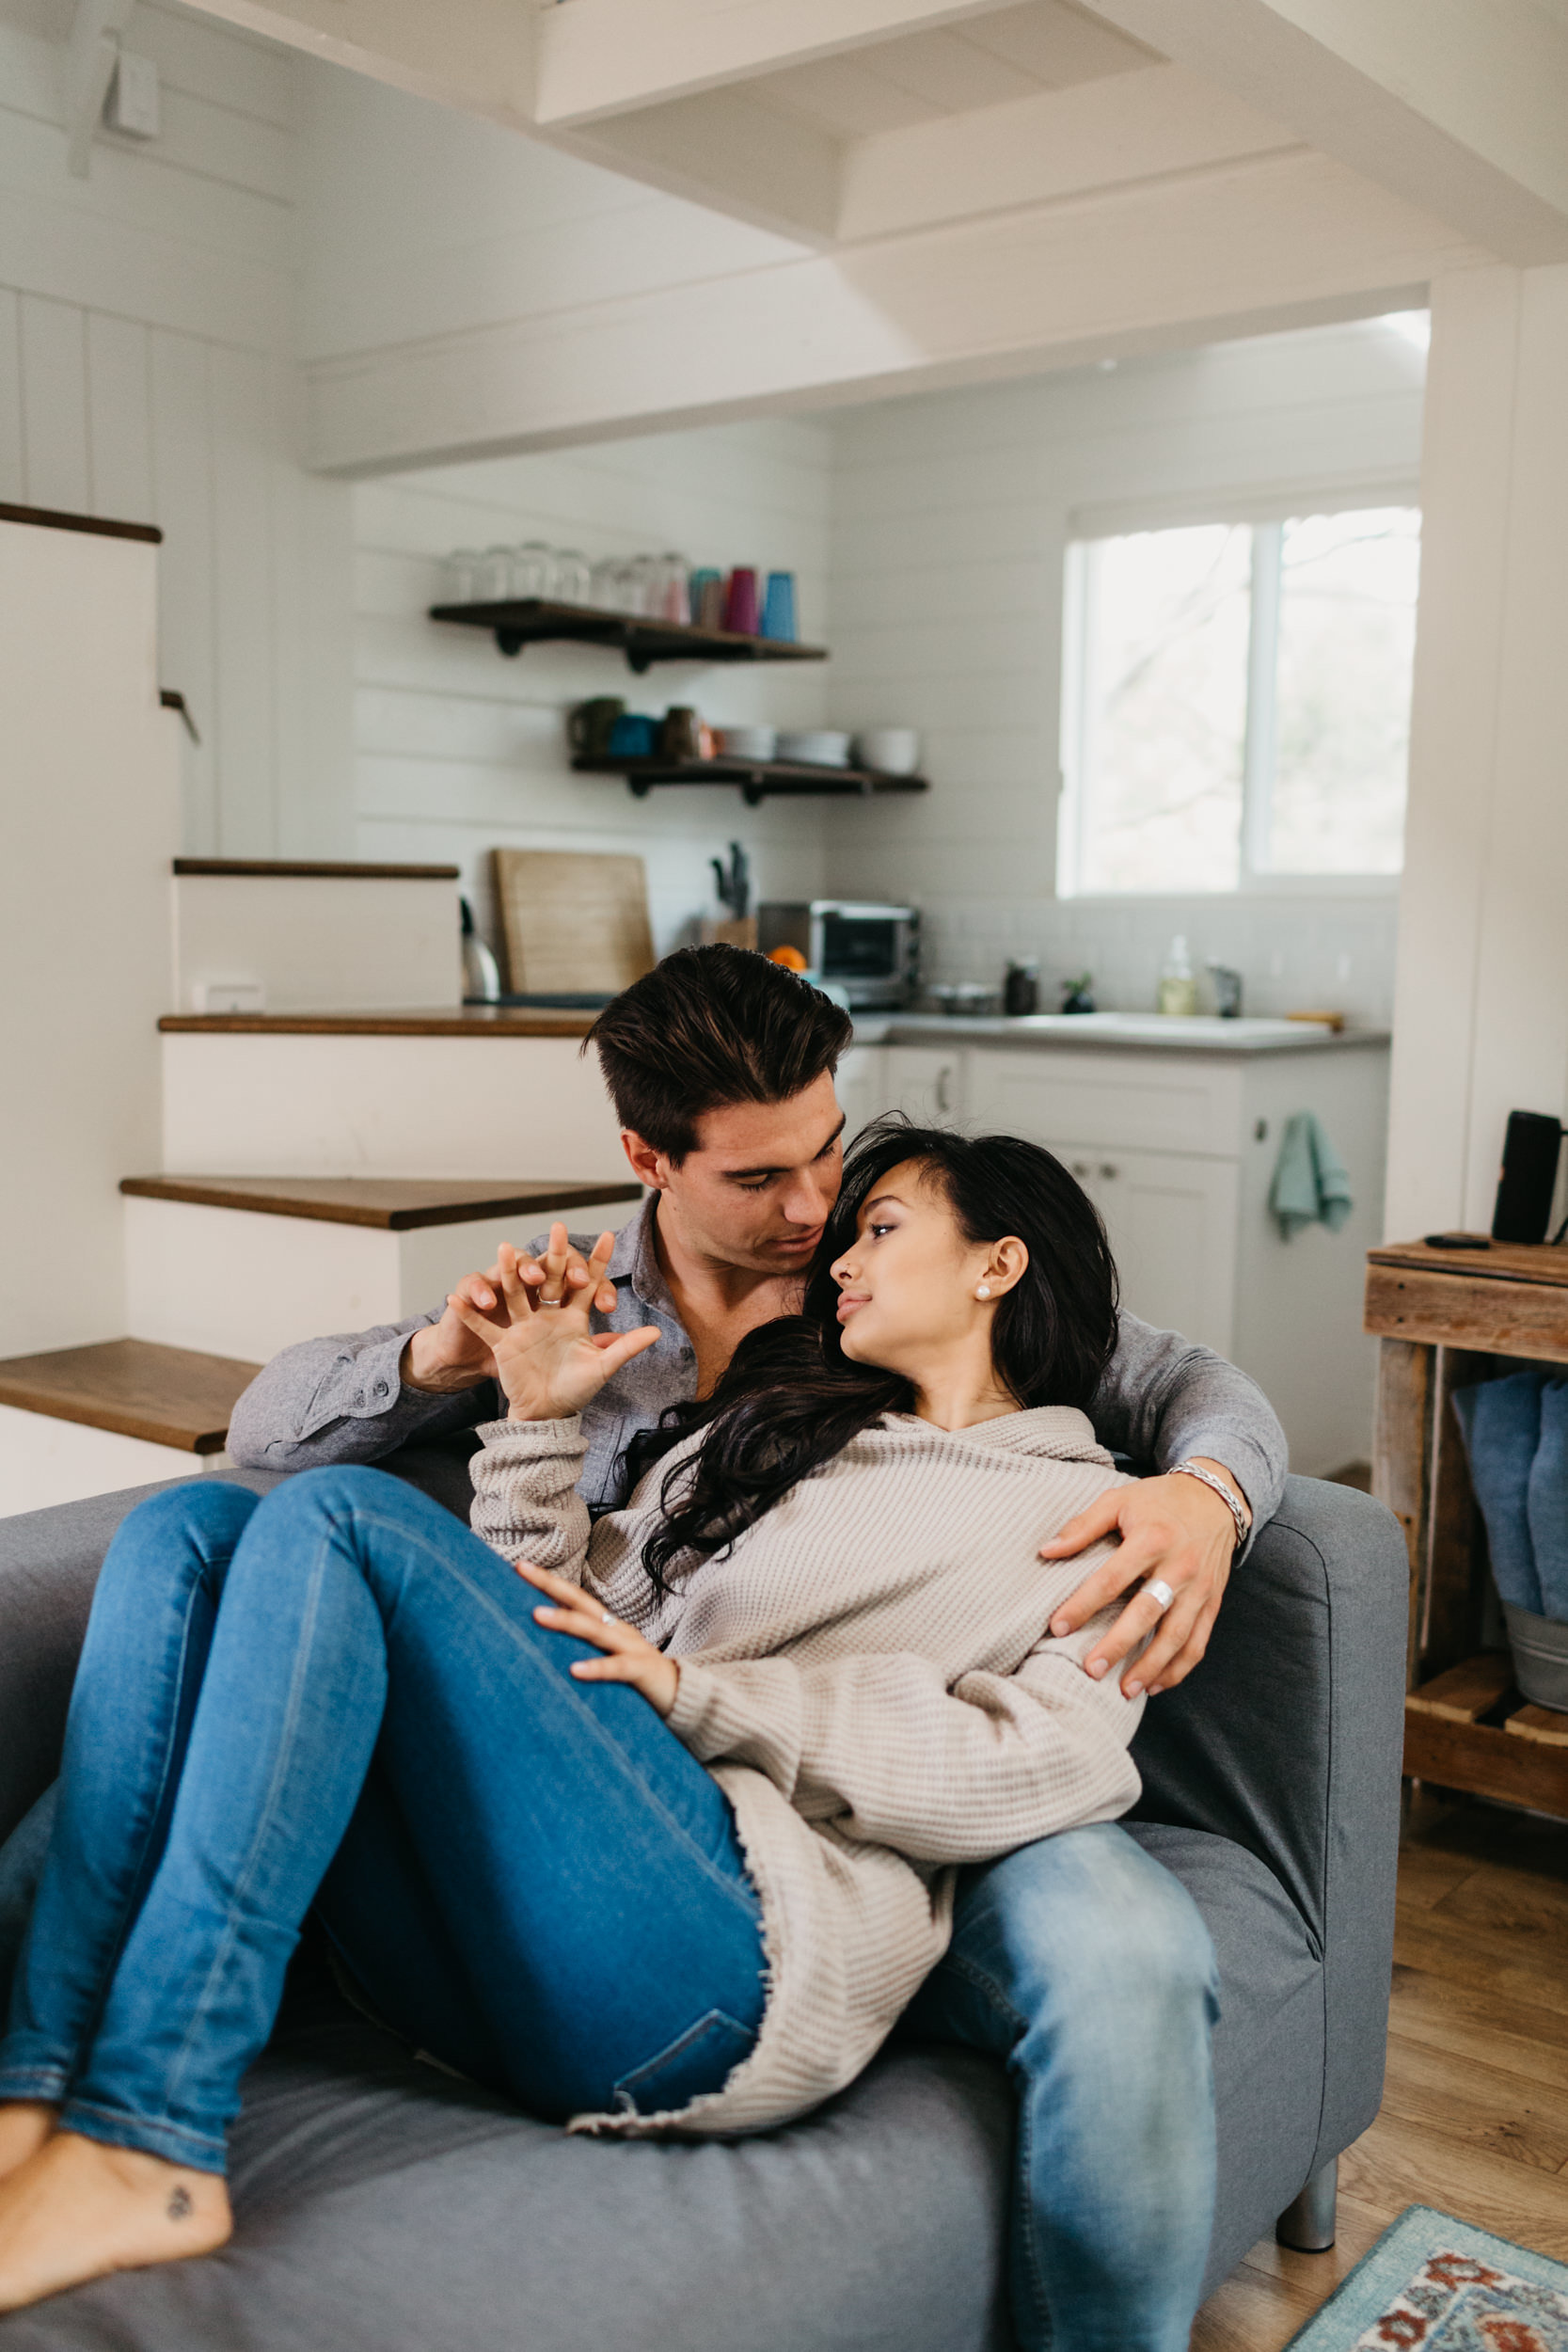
[1236, 703]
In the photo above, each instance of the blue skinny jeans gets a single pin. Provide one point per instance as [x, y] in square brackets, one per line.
[338, 1694]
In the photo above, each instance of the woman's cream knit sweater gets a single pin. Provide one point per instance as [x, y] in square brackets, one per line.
[868, 1674]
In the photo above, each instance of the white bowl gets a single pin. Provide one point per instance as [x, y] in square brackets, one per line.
[817, 747]
[747, 742]
[896, 750]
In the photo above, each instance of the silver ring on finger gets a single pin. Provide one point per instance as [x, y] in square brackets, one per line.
[607, 1617]
[552, 1302]
[1159, 1590]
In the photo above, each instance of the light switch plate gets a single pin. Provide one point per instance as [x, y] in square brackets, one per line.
[132, 107]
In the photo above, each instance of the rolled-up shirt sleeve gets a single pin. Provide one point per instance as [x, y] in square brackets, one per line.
[342, 1399]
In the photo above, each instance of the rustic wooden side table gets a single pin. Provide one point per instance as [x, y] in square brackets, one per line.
[1444, 1317]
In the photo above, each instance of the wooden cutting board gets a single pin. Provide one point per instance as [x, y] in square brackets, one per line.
[575, 923]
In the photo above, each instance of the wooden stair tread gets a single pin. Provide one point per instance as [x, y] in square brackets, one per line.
[394, 1204]
[171, 1396]
[416, 1020]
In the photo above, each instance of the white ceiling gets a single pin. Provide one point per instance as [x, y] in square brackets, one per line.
[984, 61]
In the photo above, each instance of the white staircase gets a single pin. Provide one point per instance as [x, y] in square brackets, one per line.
[353, 1164]
[246, 1266]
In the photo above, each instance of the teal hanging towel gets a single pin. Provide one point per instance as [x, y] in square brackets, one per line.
[1310, 1185]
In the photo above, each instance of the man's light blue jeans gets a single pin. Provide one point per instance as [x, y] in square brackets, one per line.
[1085, 1965]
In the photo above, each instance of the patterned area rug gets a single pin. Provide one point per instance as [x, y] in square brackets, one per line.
[1434, 2281]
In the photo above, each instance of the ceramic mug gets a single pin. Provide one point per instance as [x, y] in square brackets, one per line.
[683, 733]
[590, 726]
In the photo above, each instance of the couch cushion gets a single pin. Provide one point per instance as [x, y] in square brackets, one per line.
[383, 2205]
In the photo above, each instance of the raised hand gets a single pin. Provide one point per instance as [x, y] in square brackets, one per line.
[449, 1356]
[549, 1360]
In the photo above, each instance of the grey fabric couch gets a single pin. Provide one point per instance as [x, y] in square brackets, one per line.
[383, 2205]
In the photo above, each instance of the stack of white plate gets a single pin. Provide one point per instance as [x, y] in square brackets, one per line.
[817, 747]
[894, 750]
[747, 742]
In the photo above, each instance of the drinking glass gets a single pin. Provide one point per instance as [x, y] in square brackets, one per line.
[675, 588]
[458, 573]
[573, 580]
[493, 576]
[532, 569]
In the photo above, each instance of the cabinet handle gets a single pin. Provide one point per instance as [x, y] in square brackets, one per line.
[942, 1076]
[1081, 1168]
[1108, 1168]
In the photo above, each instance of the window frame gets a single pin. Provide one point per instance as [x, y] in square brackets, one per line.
[1267, 511]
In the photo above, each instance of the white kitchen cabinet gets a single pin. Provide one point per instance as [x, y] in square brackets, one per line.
[1172, 1223]
[1178, 1151]
[860, 1086]
[926, 1081]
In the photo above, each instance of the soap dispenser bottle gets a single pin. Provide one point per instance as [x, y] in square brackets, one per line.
[1177, 980]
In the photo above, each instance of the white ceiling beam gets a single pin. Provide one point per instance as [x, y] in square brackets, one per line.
[1281, 241]
[598, 58]
[1030, 150]
[1461, 106]
[726, 151]
[474, 55]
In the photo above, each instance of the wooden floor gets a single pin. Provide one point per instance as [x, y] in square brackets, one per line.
[1474, 2113]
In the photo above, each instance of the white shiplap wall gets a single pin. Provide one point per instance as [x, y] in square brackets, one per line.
[147, 374]
[951, 517]
[460, 750]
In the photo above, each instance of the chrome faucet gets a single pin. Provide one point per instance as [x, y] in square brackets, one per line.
[1227, 991]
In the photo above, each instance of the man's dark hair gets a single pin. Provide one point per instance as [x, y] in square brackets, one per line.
[707, 1028]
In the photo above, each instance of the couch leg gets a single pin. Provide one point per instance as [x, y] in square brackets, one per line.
[1308, 2224]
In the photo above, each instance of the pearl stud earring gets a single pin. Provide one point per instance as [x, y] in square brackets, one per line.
[983, 1290]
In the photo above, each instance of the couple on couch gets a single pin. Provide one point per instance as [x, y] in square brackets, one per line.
[802, 1587]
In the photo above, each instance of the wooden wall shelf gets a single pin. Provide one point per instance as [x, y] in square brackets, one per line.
[757, 779]
[528, 620]
[1444, 1318]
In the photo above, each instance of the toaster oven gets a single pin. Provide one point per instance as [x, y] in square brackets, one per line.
[872, 952]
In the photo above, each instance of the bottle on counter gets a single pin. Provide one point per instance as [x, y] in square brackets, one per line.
[1177, 980]
[1020, 988]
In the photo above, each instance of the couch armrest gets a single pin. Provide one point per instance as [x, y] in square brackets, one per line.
[1288, 1741]
[49, 1564]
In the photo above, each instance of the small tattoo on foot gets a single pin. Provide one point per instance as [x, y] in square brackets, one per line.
[178, 2206]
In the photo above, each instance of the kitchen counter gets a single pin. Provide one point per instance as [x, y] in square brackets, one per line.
[1114, 1032]
[417, 1021]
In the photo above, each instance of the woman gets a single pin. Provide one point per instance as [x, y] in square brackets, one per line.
[696, 1901]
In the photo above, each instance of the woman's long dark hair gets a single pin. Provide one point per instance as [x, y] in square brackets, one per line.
[791, 1400]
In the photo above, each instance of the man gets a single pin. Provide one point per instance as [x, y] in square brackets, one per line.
[1080, 1960]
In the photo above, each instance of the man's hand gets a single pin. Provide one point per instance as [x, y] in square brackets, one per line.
[449, 1356]
[548, 1359]
[1174, 1528]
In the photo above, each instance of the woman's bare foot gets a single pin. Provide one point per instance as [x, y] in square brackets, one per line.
[24, 2125]
[78, 2209]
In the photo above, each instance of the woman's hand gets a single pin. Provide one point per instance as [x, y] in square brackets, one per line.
[628, 1656]
[548, 1358]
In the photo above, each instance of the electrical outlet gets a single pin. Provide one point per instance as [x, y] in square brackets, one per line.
[131, 106]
